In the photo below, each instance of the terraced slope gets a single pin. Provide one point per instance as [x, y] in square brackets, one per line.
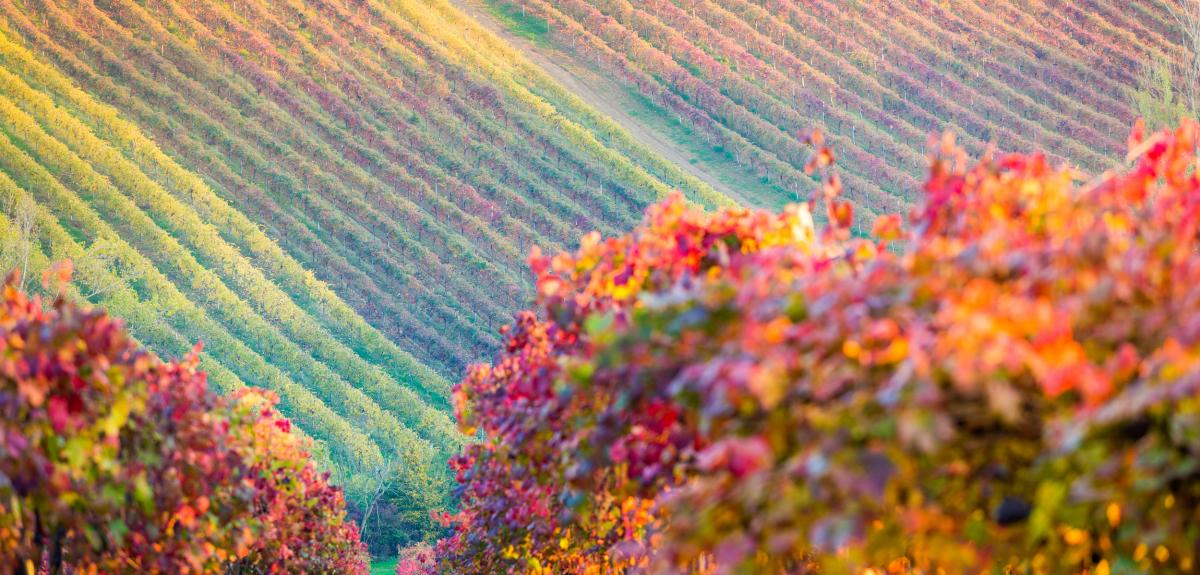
[742, 81]
[333, 196]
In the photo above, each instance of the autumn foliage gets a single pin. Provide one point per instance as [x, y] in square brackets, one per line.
[114, 461]
[1009, 380]
[418, 559]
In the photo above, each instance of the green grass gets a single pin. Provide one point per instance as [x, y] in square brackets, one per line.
[383, 566]
[712, 159]
[522, 23]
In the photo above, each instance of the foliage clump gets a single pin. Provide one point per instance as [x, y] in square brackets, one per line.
[417, 559]
[114, 461]
[1008, 382]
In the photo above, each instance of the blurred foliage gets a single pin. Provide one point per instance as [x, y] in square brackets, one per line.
[1008, 383]
[113, 461]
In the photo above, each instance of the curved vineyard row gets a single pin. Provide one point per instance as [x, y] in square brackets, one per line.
[437, 157]
[750, 77]
[268, 300]
[335, 197]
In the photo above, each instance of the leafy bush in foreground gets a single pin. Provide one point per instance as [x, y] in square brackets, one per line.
[113, 461]
[418, 559]
[1010, 382]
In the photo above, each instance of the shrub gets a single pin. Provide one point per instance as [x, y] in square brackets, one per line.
[114, 461]
[418, 559]
[1008, 383]
[300, 517]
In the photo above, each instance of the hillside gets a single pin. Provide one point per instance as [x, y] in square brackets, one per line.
[736, 84]
[338, 197]
[335, 198]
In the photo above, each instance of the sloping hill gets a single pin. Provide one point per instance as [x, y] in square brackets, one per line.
[739, 82]
[335, 197]
[150, 257]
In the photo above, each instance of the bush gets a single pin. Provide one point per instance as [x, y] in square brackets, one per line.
[417, 559]
[300, 518]
[116, 462]
[1009, 383]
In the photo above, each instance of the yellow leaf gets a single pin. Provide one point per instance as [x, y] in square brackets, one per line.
[117, 417]
[1075, 536]
[775, 331]
[895, 351]
[1114, 514]
[851, 348]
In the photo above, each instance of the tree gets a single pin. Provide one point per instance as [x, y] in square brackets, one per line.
[1187, 16]
[16, 251]
[371, 487]
[1157, 99]
[392, 509]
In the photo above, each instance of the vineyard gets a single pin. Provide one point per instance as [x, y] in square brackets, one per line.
[748, 78]
[333, 197]
[338, 199]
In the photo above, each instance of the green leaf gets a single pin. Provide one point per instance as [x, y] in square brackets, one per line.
[143, 493]
[117, 530]
[1049, 497]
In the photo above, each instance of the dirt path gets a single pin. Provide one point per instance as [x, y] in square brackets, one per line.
[601, 93]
